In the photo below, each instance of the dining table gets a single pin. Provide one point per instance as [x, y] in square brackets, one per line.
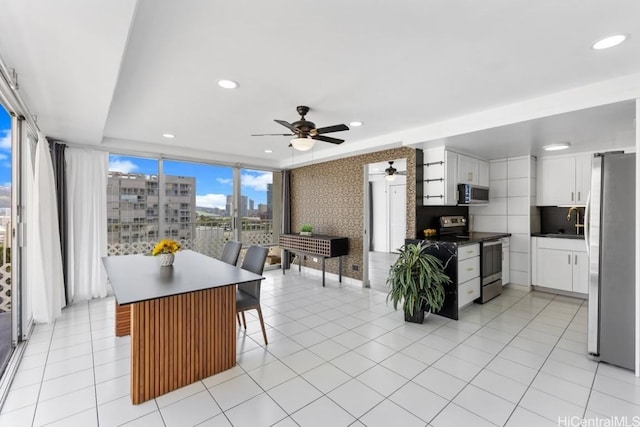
[181, 318]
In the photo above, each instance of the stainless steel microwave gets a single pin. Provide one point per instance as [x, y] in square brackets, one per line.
[469, 194]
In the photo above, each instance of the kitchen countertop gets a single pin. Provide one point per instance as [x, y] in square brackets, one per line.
[474, 237]
[559, 235]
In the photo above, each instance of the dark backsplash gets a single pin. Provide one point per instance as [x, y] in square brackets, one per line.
[554, 220]
[429, 216]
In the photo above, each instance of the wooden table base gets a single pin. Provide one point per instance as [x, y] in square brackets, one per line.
[181, 339]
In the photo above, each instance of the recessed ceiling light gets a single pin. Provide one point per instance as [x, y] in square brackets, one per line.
[355, 124]
[228, 84]
[268, 151]
[556, 147]
[168, 135]
[610, 41]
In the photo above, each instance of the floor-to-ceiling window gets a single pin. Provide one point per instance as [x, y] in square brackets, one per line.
[200, 205]
[6, 339]
[259, 207]
[133, 206]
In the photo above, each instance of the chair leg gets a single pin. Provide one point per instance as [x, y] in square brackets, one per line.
[238, 316]
[244, 321]
[264, 333]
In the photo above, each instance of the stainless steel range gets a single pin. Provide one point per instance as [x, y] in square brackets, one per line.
[454, 229]
[491, 270]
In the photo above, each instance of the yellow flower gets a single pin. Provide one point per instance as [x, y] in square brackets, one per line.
[165, 246]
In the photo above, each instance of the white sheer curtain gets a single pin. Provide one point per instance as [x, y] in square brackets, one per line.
[87, 223]
[43, 241]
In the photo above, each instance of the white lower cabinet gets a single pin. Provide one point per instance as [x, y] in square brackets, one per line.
[468, 274]
[560, 264]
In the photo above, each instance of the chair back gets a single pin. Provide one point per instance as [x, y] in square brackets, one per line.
[231, 252]
[254, 262]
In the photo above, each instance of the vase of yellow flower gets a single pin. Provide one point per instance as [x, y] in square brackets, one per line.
[165, 250]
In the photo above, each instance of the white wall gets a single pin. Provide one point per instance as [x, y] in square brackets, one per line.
[511, 209]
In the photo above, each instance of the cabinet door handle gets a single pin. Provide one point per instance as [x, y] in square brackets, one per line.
[569, 259]
[572, 196]
[579, 198]
[576, 260]
[470, 269]
[469, 291]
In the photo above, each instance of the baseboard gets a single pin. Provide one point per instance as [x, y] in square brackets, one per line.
[560, 292]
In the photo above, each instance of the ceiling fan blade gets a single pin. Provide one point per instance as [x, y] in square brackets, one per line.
[272, 134]
[329, 129]
[287, 125]
[328, 139]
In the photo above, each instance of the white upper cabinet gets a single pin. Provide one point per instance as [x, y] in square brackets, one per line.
[444, 170]
[473, 171]
[563, 180]
[440, 176]
[583, 177]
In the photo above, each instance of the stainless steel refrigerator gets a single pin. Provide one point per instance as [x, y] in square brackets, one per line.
[610, 238]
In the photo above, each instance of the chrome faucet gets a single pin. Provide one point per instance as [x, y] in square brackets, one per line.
[578, 225]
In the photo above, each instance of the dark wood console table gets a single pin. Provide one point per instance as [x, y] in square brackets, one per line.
[320, 246]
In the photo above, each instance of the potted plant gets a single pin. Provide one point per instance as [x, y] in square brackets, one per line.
[166, 249]
[417, 279]
[306, 230]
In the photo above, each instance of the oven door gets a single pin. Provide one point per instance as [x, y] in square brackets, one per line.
[491, 261]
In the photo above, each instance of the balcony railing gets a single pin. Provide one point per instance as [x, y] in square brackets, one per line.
[5, 271]
[207, 238]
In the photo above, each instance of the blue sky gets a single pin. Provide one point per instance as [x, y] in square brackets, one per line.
[5, 148]
[213, 183]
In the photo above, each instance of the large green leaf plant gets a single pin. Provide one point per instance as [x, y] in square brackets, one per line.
[417, 278]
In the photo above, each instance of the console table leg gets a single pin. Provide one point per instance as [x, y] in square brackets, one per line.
[340, 269]
[323, 258]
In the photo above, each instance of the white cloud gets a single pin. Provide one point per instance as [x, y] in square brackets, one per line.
[3, 156]
[123, 166]
[258, 182]
[5, 139]
[211, 200]
[224, 180]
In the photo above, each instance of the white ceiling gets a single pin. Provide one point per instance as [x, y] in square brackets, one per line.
[119, 74]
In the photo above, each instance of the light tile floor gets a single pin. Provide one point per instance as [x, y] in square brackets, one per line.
[338, 356]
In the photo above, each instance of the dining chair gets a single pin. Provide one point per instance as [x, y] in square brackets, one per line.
[248, 294]
[231, 252]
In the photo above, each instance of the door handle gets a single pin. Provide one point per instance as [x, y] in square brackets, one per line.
[569, 259]
[576, 260]
[579, 198]
[572, 196]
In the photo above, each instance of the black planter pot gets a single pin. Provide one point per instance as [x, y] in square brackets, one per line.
[418, 316]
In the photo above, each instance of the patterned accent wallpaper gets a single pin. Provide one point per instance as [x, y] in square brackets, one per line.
[329, 196]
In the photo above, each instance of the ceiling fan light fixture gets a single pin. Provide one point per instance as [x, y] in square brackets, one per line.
[228, 84]
[608, 42]
[168, 135]
[390, 172]
[355, 124]
[302, 144]
[557, 147]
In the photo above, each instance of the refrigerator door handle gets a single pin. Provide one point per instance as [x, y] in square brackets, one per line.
[587, 210]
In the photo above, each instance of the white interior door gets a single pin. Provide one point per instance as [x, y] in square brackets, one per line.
[397, 216]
